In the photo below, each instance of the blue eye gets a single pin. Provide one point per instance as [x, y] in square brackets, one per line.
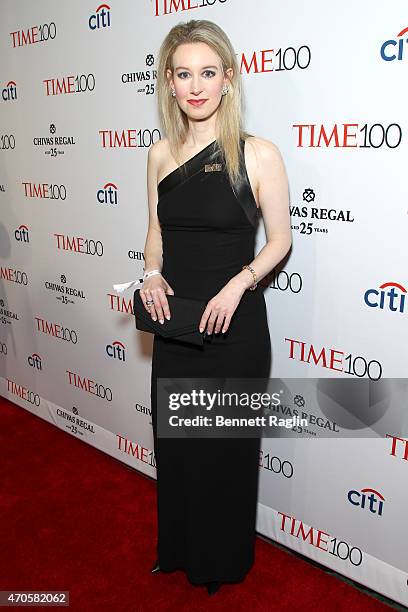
[210, 72]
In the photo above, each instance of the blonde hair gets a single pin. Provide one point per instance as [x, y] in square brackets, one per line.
[229, 129]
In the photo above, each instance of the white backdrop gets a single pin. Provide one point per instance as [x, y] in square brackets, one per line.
[328, 84]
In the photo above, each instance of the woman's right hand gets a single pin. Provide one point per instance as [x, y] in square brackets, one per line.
[155, 288]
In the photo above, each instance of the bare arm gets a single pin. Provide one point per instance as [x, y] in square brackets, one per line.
[153, 244]
[154, 289]
[273, 192]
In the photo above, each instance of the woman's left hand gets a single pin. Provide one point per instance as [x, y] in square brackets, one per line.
[221, 306]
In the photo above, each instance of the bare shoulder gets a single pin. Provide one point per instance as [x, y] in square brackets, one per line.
[263, 150]
[159, 157]
[157, 151]
[263, 162]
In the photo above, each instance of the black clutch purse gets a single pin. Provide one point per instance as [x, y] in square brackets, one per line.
[185, 316]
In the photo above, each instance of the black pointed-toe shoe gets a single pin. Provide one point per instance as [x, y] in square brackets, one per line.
[156, 567]
[212, 587]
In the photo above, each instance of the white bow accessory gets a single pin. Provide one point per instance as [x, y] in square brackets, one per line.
[123, 286]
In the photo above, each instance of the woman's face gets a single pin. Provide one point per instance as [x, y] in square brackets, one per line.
[197, 76]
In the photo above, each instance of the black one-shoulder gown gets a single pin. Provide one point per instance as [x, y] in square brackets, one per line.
[207, 487]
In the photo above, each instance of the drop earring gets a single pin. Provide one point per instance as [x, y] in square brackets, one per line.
[224, 90]
[173, 92]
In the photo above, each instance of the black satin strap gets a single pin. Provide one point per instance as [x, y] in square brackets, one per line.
[212, 154]
[243, 191]
[191, 167]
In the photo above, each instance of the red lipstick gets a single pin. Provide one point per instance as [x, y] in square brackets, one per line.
[196, 102]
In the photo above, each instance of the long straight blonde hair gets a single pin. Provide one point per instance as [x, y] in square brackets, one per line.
[229, 129]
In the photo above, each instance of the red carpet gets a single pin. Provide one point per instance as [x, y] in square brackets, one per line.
[75, 519]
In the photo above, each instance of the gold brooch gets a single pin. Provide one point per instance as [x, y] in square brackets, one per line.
[212, 167]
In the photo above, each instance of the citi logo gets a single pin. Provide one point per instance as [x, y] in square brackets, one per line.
[101, 18]
[21, 234]
[108, 194]
[116, 350]
[388, 296]
[393, 49]
[9, 92]
[35, 361]
[367, 499]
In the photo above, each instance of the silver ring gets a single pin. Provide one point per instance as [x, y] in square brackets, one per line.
[149, 302]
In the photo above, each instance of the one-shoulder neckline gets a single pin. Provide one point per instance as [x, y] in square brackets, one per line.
[186, 162]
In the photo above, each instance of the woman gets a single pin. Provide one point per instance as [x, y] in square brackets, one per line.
[202, 181]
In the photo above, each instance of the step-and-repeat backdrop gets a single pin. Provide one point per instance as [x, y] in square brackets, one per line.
[328, 84]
